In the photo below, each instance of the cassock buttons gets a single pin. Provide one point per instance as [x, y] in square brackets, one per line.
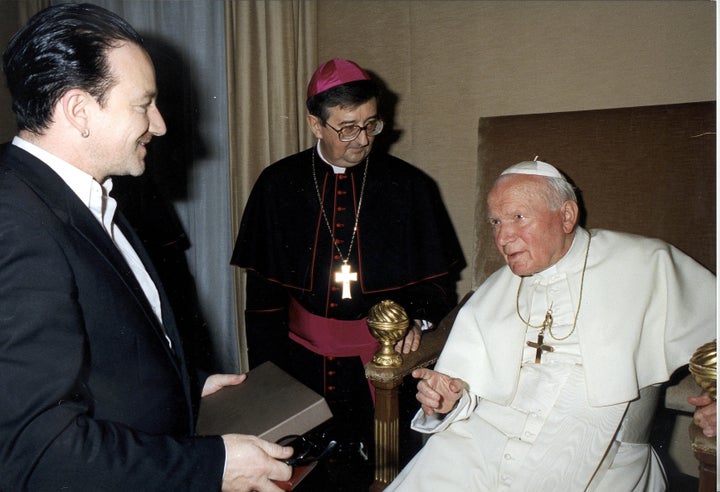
[330, 371]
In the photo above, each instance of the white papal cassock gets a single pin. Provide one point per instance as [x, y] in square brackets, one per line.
[580, 419]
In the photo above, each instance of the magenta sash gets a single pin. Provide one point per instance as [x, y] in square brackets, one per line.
[331, 337]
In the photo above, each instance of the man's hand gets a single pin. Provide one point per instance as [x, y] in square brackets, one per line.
[706, 414]
[411, 342]
[252, 464]
[218, 381]
[437, 392]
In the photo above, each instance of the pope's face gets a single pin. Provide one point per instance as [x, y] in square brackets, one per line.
[529, 235]
[129, 118]
[345, 154]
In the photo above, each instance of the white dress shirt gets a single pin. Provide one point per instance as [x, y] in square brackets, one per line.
[97, 198]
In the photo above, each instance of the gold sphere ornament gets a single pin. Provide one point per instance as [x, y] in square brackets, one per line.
[703, 367]
[388, 322]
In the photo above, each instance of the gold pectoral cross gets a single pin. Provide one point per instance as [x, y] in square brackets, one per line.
[345, 276]
[539, 345]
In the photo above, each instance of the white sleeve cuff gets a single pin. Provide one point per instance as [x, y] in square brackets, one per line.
[430, 424]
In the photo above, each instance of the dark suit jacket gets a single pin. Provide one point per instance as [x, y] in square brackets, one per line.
[93, 398]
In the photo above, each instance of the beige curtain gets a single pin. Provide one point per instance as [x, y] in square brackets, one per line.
[13, 15]
[271, 54]
[28, 8]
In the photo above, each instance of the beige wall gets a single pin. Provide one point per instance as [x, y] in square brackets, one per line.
[451, 62]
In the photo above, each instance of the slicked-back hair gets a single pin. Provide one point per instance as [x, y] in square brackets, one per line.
[61, 48]
[348, 95]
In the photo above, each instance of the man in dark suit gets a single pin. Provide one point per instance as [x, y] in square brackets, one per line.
[96, 393]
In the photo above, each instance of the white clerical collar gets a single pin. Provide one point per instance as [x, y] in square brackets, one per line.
[83, 185]
[336, 169]
[574, 253]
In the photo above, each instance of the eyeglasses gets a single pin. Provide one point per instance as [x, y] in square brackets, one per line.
[351, 132]
[305, 451]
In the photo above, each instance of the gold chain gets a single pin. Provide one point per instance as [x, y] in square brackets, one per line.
[549, 311]
[357, 213]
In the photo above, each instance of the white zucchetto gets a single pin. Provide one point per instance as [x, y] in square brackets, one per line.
[535, 168]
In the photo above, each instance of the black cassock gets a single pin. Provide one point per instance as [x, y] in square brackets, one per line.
[405, 249]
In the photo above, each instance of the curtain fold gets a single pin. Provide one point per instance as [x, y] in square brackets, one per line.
[28, 8]
[271, 49]
[189, 164]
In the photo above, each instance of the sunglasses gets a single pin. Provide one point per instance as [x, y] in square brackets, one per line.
[305, 452]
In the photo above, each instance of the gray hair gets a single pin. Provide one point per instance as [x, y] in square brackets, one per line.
[559, 189]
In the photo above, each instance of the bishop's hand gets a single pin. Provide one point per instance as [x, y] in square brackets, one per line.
[706, 414]
[411, 341]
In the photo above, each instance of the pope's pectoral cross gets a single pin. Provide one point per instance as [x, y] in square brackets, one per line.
[345, 276]
[539, 345]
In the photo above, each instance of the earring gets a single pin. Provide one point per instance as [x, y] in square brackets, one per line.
[85, 133]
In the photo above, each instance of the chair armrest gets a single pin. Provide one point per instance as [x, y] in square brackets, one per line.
[676, 395]
[431, 345]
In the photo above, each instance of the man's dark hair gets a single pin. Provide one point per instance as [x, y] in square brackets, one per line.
[350, 95]
[61, 48]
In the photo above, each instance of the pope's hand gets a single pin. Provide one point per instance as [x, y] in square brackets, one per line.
[437, 392]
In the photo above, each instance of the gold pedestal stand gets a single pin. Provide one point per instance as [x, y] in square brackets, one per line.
[703, 367]
[388, 322]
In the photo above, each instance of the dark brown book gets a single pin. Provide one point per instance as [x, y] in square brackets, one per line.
[269, 404]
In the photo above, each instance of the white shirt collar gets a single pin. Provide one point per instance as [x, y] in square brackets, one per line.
[93, 194]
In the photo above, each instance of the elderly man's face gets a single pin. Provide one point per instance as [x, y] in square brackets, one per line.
[530, 237]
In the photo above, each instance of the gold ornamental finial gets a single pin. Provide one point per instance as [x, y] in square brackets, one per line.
[388, 322]
[703, 367]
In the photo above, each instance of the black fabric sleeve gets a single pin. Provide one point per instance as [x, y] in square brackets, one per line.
[266, 321]
[430, 300]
